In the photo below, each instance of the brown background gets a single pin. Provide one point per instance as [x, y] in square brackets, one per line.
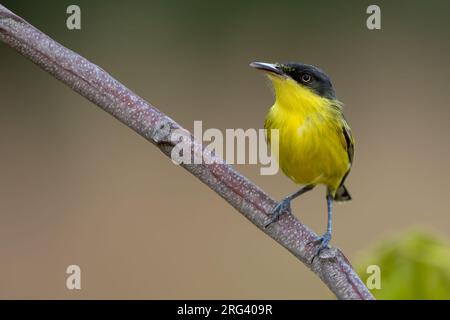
[77, 187]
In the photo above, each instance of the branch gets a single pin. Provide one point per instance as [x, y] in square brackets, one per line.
[98, 86]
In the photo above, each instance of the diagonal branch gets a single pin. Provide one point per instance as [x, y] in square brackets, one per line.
[98, 86]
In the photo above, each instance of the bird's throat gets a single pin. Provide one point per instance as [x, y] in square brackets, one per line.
[293, 97]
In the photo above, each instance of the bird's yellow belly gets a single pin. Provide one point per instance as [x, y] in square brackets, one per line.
[310, 150]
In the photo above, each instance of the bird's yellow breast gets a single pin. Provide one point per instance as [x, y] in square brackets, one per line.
[312, 148]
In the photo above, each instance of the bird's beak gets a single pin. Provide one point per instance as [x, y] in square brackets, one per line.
[270, 68]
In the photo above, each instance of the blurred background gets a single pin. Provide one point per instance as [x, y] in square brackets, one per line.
[78, 187]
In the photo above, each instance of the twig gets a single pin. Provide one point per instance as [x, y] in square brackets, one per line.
[98, 86]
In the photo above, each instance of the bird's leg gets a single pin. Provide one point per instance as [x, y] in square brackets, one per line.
[285, 205]
[325, 239]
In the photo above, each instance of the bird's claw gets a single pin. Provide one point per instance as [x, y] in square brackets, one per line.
[281, 208]
[324, 241]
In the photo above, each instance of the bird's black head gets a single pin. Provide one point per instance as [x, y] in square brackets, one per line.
[304, 74]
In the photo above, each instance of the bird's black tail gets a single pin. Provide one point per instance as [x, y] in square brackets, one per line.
[342, 194]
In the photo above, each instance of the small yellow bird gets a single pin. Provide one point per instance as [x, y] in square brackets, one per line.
[315, 142]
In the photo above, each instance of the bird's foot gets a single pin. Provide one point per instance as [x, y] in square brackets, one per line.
[324, 241]
[281, 208]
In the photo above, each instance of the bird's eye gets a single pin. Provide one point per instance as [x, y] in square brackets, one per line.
[306, 78]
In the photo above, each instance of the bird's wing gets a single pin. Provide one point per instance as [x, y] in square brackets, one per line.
[344, 131]
[349, 142]
[267, 126]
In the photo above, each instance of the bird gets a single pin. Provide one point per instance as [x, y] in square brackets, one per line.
[316, 145]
